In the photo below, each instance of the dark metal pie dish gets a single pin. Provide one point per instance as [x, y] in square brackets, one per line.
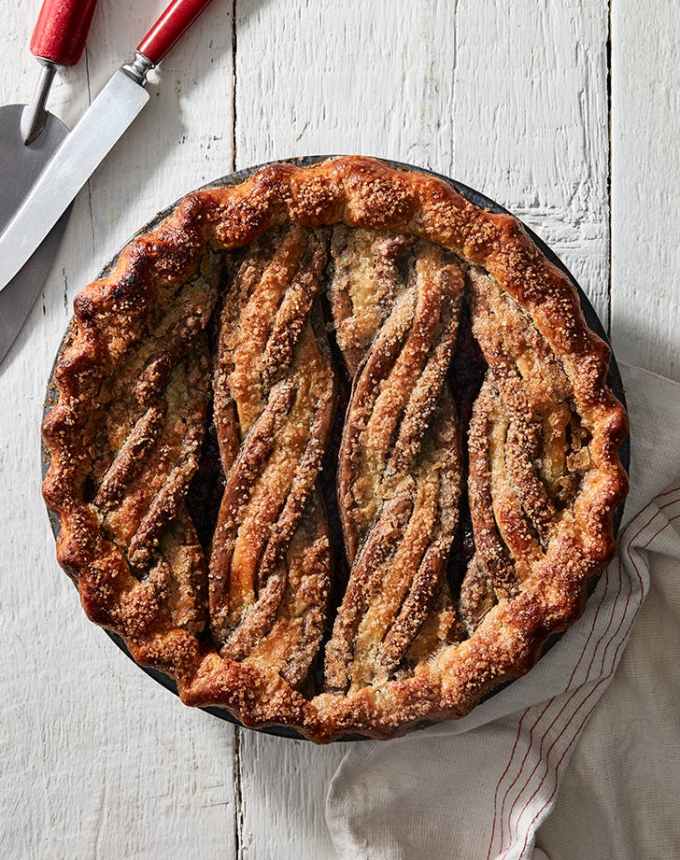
[433, 351]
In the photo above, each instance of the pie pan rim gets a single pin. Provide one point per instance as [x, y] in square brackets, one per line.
[479, 200]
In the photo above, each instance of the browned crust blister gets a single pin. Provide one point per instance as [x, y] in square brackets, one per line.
[124, 439]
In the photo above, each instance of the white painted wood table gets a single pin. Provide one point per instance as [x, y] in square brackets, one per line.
[566, 112]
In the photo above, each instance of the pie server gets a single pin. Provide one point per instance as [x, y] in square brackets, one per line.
[76, 156]
[29, 136]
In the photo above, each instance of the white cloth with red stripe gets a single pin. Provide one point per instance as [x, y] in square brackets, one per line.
[595, 723]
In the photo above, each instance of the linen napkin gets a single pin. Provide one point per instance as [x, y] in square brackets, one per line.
[481, 787]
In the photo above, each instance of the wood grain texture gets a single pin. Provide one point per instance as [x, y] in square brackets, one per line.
[646, 184]
[510, 98]
[98, 760]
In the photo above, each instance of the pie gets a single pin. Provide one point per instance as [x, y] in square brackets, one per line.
[334, 448]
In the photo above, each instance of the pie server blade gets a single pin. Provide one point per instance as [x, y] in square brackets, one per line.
[20, 165]
[74, 161]
[79, 154]
[29, 136]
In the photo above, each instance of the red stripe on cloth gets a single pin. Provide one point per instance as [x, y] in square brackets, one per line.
[537, 720]
[502, 777]
[594, 653]
[603, 680]
[579, 690]
[583, 651]
[606, 630]
[521, 768]
[667, 493]
[592, 629]
[545, 761]
[623, 640]
[559, 714]
[669, 504]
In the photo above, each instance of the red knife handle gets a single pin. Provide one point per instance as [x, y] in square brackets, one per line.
[178, 16]
[61, 30]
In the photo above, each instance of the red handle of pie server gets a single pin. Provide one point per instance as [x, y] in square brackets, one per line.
[61, 30]
[178, 16]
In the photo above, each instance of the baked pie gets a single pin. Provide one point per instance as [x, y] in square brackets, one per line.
[333, 448]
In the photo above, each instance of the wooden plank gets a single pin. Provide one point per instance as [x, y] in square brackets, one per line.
[507, 97]
[98, 760]
[645, 187]
[283, 785]
[530, 107]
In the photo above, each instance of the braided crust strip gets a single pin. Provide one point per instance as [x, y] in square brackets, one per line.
[399, 484]
[113, 313]
[274, 389]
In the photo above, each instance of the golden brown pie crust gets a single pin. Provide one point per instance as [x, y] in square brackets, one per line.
[124, 439]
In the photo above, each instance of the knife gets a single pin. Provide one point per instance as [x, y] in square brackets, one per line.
[93, 137]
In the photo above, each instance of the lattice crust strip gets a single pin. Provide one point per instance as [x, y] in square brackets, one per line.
[399, 476]
[274, 399]
[220, 314]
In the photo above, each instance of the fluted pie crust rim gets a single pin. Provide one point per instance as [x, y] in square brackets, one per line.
[360, 193]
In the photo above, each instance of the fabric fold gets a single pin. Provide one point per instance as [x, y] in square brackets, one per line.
[482, 786]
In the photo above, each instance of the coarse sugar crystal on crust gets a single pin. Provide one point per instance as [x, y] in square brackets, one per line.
[241, 318]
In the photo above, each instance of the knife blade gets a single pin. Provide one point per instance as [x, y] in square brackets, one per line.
[93, 137]
[76, 159]
[25, 287]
